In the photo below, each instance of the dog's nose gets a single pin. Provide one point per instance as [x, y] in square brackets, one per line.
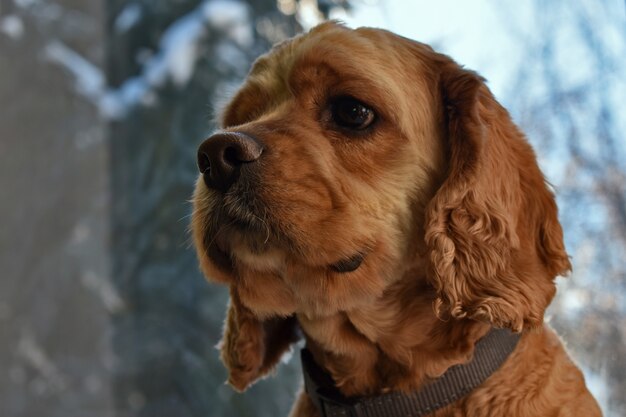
[220, 157]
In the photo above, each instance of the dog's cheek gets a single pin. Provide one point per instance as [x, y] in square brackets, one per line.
[203, 206]
[322, 291]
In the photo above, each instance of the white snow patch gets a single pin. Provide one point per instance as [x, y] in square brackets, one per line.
[105, 291]
[174, 60]
[128, 17]
[12, 26]
[26, 3]
[35, 355]
[179, 46]
[115, 103]
[286, 357]
[231, 17]
[287, 7]
[308, 14]
[89, 78]
[574, 300]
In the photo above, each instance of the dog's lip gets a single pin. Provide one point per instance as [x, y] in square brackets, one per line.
[218, 251]
[221, 242]
[228, 234]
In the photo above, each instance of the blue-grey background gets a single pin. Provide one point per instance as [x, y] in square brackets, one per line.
[103, 311]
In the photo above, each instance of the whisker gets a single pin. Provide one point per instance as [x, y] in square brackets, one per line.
[220, 230]
[267, 228]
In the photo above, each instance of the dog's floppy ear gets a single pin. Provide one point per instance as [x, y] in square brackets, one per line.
[492, 231]
[250, 346]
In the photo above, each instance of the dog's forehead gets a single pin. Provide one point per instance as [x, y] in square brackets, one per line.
[374, 65]
[348, 51]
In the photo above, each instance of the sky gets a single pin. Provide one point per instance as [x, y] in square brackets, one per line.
[467, 24]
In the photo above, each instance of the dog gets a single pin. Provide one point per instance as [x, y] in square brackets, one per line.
[371, 195]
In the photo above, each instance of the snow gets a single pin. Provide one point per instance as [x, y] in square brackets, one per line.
[88, 77]
[115, 104]
[308, 14]
[26, 3]
[104, 291]
[287, 7]
[178, 47]
[574, 301]
[128, 17]
[232, 18]
[34, 354]
[12, 26]
[174, 60]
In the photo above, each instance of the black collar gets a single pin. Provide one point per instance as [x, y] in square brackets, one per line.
[489, 354]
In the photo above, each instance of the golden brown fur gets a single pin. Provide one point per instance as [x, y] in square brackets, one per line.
[443, 196]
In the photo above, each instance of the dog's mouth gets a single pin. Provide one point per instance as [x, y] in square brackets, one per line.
[233, 237]
[228, 234]
[236, 242]
[234, 226]
[220, 256]
[244, 230]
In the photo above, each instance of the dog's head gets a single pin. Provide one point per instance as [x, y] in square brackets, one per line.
[346, 159]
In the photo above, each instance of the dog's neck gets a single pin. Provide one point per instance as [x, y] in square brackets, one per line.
[396, 341]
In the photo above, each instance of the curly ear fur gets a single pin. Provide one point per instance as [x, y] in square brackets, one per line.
[492, 230]
[251, 347]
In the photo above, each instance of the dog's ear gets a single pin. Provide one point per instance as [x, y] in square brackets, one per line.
[492, 231]
[250, 346]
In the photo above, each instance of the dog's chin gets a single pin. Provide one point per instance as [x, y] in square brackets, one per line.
[246, 240]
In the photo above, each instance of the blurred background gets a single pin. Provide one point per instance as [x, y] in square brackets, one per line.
[103, 312]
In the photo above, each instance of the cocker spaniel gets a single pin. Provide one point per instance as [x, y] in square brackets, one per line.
[371, 195]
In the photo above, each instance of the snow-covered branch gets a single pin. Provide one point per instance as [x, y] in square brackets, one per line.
[174, 61]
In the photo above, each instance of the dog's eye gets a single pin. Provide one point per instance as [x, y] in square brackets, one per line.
[348, 265]
[350, 113]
